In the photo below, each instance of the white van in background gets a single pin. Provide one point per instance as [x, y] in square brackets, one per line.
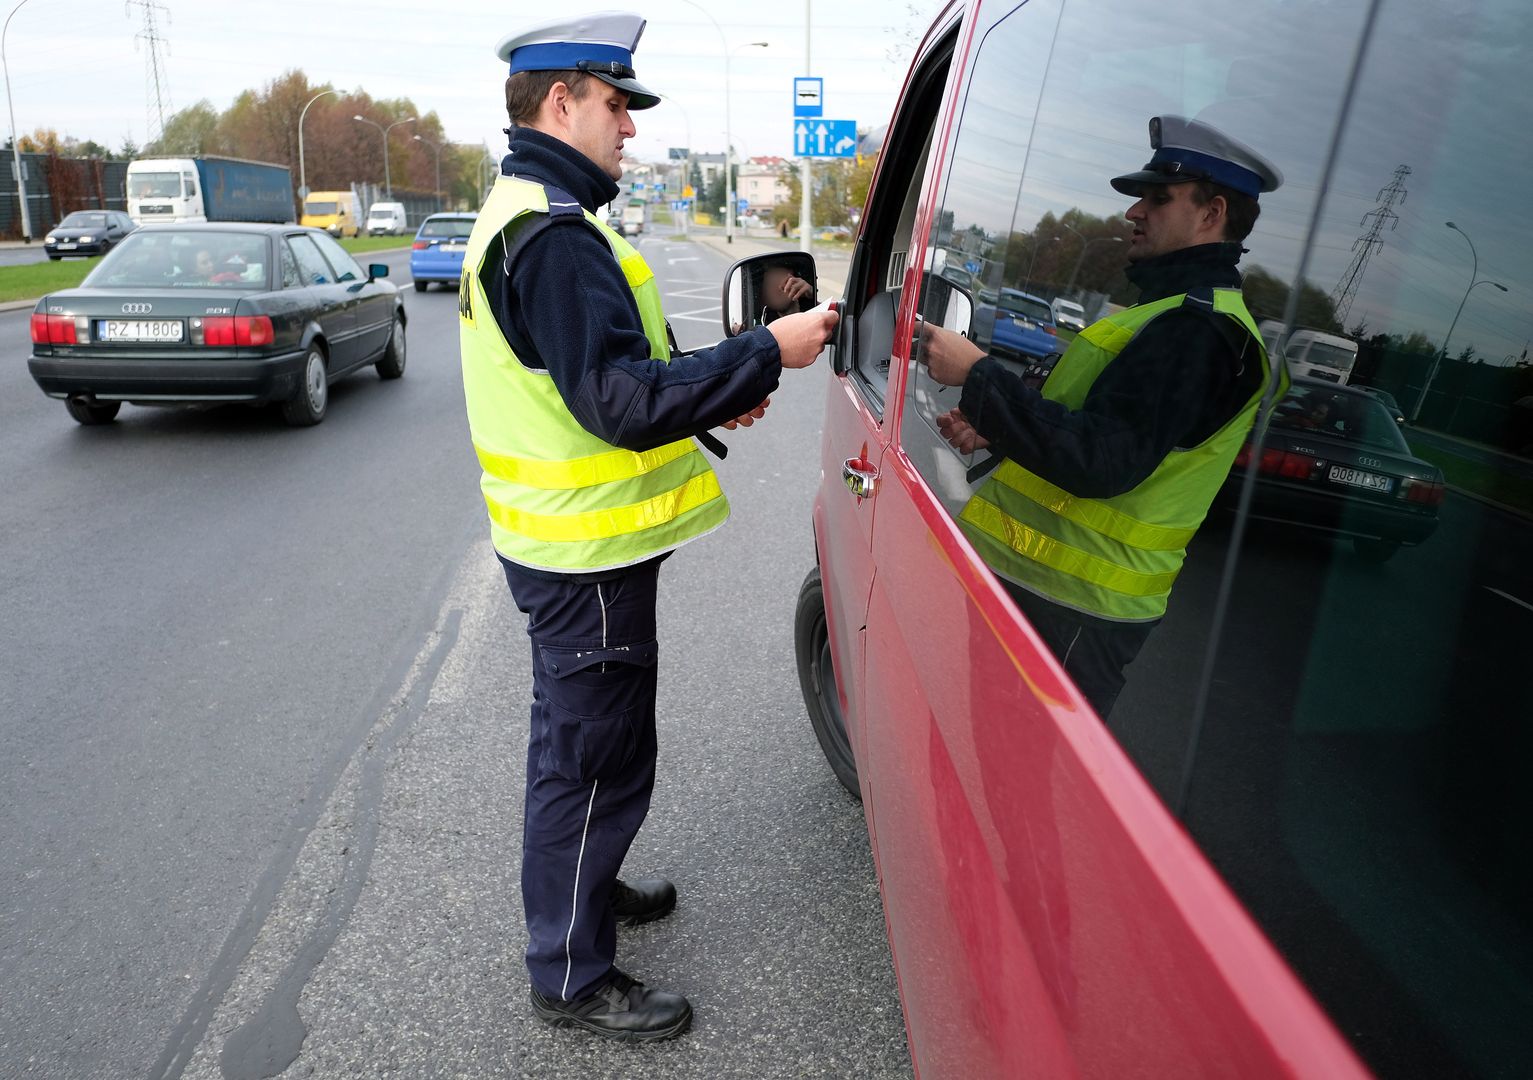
[1312, 353]
[386, 218]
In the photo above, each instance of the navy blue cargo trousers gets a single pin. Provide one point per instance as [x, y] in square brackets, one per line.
[590, 764]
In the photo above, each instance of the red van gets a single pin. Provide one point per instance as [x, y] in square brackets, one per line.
[1298, 845]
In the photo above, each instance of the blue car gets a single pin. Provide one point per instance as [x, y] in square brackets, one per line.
[437, 254]
[1020, 328]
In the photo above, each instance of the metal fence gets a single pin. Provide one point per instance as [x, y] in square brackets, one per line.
[57, 186]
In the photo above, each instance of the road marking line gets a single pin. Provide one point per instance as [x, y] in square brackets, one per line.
[683, 258]
[1509, 596]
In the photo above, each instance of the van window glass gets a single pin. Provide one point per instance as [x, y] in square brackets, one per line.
[311, 264]
[1361, 778]
[346, 268]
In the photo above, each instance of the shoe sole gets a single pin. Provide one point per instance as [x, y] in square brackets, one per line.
[554, 1018]
[648, 917]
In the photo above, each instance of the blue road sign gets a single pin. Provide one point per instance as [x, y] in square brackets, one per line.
[808, 97]
[744, 205]
[825, 138]
[678, 204]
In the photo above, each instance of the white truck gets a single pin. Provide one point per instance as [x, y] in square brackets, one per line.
[208, 188]
[633, 219]
[1314, 354]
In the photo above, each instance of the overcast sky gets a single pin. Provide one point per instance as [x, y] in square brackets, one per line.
[76, 66]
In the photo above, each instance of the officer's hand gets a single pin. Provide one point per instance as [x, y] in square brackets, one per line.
[801, 337]
[956, 429]
[947, 356]
[749, 418]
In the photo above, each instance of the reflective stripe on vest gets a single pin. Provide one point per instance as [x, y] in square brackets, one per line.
[1113, 558]
[558, 497]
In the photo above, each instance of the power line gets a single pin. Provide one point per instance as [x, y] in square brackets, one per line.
[1363, 247]
[157, 95]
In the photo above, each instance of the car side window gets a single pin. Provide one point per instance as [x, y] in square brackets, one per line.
[968, 245]
[346, 268]
[312, 268]
[292, 278]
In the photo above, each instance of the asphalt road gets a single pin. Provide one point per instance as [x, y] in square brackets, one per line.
[264, 719]
[20, 256]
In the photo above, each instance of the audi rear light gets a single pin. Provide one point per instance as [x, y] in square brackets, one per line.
[1277, 462]
[224, 331]
[1423, 492]
[1272, 460]
[1243, 459]
[58, 329]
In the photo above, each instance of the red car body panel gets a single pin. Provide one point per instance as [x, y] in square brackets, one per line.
[1047, 914]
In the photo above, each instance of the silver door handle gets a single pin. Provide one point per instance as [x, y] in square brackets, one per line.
[860, 480]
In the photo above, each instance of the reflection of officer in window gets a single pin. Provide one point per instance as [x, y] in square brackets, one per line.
[1105, 473]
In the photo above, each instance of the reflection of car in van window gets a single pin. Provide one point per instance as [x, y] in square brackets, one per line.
[1312, 354]
[1292, 847]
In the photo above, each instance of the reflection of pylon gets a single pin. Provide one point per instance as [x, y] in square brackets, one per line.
[158, 84]
[1362, 247]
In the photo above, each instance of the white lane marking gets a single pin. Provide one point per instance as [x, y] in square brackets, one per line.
[682, 259]
[1509, 596]
[564, 991]
[710, 314]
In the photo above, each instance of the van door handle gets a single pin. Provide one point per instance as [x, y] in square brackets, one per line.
[861, 478]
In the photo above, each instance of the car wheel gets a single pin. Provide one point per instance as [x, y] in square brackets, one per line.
[54, 258]
[817, 680]
[86, 411]
[312, 394]
[1374, 551]
[420, 286]
[392, 366]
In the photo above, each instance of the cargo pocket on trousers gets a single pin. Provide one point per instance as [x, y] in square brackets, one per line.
[596, 700]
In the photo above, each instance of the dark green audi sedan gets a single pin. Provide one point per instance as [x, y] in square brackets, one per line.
[209, 313]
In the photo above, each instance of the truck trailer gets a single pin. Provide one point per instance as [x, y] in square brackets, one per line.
[208, 188]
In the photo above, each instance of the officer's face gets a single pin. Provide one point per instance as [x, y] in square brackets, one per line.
[1166, 219]
[597, 125]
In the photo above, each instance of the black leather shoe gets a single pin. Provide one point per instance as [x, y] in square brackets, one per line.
[644, 901]
[622, 1008]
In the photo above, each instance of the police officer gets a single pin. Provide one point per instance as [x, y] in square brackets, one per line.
[583, 423]
[1106, 471]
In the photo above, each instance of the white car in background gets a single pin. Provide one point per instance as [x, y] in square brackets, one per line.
[1068, 314]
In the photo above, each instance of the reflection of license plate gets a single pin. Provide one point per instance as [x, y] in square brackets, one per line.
[453, 247]
[141, 329]
[1358, 478]
[67, 247]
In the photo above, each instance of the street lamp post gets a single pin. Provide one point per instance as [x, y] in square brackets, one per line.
[303, 175]
[1474, 279]
[21, 180]
[729, 176]
[438, 149]
[1081, 258]
[388, 182]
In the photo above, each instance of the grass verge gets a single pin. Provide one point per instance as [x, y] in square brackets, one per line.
[360, 244]
[1480, 479]
[35, 279]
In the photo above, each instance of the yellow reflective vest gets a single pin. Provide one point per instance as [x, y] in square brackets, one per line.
[559, 498]
[1113, 558]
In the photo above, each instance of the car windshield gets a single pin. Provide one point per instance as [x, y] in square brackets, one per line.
[81, 220]
[448, 227]
[1355, 418]
[1069, 307]
[184, 259]
[319, 207]
[1322, 355]
[1036, 310]
[155, 185]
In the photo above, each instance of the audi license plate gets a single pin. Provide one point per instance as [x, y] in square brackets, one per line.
[1357, 478]
[141, 329]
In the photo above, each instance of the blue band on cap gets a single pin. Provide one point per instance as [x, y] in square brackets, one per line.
[562, 55]
[1216, 169]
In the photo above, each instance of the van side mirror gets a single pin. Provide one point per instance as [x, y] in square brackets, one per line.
[763, 287]
[377, 270]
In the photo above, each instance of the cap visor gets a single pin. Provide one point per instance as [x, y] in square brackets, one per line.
[1134, 183]
[638, 96]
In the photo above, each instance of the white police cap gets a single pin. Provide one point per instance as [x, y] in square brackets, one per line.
[601, 44]
[1192, 150]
